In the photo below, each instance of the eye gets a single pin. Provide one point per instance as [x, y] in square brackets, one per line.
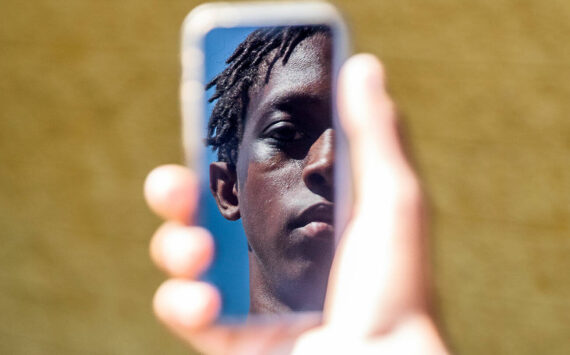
[283, 131]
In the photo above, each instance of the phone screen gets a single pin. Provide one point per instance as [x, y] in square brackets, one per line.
[269, 190]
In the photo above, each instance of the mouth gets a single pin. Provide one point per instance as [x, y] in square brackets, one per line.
[316, 221]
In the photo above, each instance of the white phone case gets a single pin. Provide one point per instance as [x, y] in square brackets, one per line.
[197, 25]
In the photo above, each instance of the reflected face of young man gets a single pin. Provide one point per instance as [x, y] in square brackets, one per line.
[285, 181]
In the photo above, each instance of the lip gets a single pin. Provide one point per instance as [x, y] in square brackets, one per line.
[316, 220]
[317, 229]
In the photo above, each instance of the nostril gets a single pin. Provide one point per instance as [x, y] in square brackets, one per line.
[316, 179]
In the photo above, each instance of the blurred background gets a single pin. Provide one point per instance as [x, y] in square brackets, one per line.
[89, 104]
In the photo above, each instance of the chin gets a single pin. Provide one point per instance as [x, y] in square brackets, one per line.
[305, 284]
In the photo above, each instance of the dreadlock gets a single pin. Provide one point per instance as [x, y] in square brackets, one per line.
[265, 45]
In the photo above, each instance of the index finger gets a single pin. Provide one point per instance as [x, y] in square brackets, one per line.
[171, 191]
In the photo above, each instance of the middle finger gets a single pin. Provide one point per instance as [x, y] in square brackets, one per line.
[182, 251]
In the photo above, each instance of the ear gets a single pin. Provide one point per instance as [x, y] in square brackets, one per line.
[223, 184]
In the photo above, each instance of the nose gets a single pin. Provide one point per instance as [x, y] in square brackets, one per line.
[318, 172]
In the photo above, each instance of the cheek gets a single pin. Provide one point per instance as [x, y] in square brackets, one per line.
[268, 171]
[267, 184]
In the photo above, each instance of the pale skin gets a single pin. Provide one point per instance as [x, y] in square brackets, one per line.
[377, 299]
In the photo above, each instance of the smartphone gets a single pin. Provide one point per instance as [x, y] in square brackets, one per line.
[260, 127]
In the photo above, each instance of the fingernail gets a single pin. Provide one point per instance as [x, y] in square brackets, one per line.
[177, 251]
[373, 81]
[374, 74]
[187, 304]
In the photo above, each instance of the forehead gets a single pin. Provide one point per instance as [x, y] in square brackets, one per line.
[309, 60]
[306, 75]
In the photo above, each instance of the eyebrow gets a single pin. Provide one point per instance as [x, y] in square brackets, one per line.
[291, 100]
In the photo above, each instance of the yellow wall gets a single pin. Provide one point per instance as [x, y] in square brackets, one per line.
[89, 104]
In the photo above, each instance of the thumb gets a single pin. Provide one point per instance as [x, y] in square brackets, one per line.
[378, 275]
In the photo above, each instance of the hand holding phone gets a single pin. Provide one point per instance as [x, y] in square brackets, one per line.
[377, 298]
[277, 164]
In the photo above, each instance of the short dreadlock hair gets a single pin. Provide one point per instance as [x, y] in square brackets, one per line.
[245, 65]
